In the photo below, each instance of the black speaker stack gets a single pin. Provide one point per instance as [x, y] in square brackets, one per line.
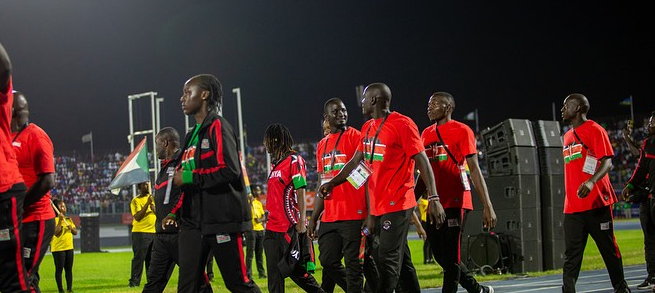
[90, 232]
[526, 185]
[551, 163]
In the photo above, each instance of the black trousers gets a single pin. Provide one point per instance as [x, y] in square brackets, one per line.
[13, 276]
[64, 262]
[599, 224]
[427, 250]
[370, 272]
[391, 230]
[339, 240]
[275, 245]
[228, 254]
[162, 262]
[142, 248]
[446, 247]
[408, 281]
[37, 236]
[255, 247]
[647, 218]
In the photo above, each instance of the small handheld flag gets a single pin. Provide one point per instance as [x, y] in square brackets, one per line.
[135, 168]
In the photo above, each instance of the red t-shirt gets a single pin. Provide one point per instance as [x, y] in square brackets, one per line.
[345, 202]
[282, 200]
[9, 174]
[597, 143]
[35, 155]
[391, 186]
[460, 141]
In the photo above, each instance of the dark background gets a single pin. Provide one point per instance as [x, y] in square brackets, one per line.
[77, 61]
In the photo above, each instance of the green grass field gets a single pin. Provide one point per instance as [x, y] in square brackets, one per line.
[109, 272]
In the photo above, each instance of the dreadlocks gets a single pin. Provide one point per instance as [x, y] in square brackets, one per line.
[210, 83]
[278, 141]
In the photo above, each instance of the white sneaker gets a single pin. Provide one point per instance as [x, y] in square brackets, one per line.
[487, 289]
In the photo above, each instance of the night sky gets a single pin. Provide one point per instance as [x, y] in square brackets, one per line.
[77, 61]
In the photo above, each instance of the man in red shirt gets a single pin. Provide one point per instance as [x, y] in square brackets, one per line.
[35, 156]
[450, 147]
[385, 162]
[589, 195]
[343, 213]
[13, 276]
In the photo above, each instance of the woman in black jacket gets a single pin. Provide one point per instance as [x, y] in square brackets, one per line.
[214, 212]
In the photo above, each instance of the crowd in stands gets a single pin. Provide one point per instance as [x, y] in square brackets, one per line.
[84, 185]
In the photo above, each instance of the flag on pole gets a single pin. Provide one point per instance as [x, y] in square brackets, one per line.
[87, 137]
[627, 102]
[470, 116]
[246, 180]
[134, 170]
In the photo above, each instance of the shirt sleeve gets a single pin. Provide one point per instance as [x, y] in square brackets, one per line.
[298, 172]
[43, 154]
[409, 137]
[468, 146]
[319, 154]
[134, 208]
[601, 145]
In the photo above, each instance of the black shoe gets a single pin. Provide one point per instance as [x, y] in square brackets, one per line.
[645, 285]
[262, 276]
[210, 277]
[131, 285]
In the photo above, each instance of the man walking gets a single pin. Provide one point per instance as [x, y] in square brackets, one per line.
[589, 195]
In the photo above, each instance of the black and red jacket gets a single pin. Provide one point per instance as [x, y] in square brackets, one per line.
[161, 185]
[217, 200]
[644, 174]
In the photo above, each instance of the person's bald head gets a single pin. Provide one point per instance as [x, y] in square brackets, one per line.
[377, 97]
[581, 100]
[380, 90]
[20, 112]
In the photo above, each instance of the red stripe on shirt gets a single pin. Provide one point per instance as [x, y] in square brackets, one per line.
[159, 186]
[216, 129]
[178, 204]
[206, 155]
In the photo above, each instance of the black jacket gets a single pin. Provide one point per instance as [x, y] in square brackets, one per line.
[161, 185]
[644, 174]
[217, 198]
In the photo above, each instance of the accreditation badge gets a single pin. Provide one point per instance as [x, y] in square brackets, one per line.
[464, 178]
[359, 175]
[590, 163]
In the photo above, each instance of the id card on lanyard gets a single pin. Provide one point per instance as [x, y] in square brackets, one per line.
[364, 170]
[590, 161]
[462, 169]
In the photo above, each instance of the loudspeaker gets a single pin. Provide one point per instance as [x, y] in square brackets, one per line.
[514, 192]
[554, 254]
[509, 133]
[553, 190]
[523, 223]
[491, 251]
[90, 237]
[553, 223]
[547, 133]
[513, 161]
[551, 161]
[531, 257]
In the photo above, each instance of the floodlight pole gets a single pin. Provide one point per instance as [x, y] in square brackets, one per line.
[237, 91]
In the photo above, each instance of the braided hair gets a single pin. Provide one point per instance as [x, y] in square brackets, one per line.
[278, 141]
[213, 85]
